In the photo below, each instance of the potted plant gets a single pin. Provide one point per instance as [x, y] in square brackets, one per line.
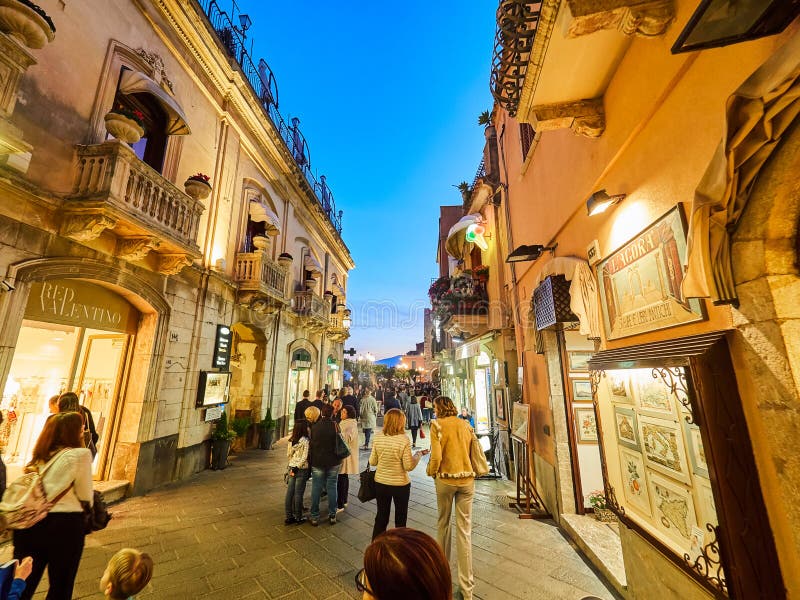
[465, 190]
[125, 124]
[601, 511]
[267, 427]
[485, 118]
[198, 186]
[221, 439]
[481, 273]
[27, 22]
[240, 425]
[285, 259]
[311, 283]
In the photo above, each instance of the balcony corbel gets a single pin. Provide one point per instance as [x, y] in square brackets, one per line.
[584, 117]
[136, 248]
[85, 227]
[172, 264]
[645, 19]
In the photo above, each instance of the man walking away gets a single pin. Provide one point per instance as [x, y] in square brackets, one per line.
[300, 407]
[369, 414]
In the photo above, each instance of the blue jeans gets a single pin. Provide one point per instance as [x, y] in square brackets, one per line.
[329, 478]
[293, 503]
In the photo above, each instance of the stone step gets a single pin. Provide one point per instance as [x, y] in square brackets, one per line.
[112, 491]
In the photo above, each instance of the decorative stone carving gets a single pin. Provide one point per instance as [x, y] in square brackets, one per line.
[31, 26]
[584, 117]
[172, 264]
[14, 61]
[645, 19]
[157, 63]
[84, 227]
[136, 248]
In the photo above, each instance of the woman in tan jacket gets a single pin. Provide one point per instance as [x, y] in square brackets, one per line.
[450, 464]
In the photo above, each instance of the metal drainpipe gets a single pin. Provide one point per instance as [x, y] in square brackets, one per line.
[276, 329]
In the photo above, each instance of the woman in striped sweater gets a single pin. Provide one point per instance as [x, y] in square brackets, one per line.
[391, 454]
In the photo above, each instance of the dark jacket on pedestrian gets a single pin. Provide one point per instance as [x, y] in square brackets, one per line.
[322, 452]
[352, 401]
[300, 409]
[389, 403]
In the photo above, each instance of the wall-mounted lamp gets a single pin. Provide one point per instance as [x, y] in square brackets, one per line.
[531, 252]
[600, 201]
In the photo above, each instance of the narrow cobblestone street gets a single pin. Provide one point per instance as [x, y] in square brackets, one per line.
[221, 535]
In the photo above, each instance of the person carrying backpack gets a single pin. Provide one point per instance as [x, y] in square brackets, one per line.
[56, 541]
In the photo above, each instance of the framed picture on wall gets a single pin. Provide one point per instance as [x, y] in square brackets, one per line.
[579, 360]
[500, 403]
[627, 427]
[694, 445]
[519, 423]
[662, 444]
[581, 390]
[653, 397]
[705, 503]
[634, 481]
[585, 424]
[618, 387]
[673, 509]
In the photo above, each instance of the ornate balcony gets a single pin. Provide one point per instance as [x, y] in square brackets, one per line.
[115, 190]
[336, 330]
[313, 310]
[461, 304]
[262, 281]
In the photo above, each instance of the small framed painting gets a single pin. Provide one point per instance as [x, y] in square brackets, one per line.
[627, 427]
[705, 503]
[500, 403]
[662, 443]
[634, 480]
[585, 424]
[652, 395]
[579, 360]
[697, 455]
[618, 387]
[519, 423]
[581, 390]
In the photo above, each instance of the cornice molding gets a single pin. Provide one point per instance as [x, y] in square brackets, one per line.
[644, 19]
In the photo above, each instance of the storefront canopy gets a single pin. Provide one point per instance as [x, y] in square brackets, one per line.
[261, 213]
[456, 244]
[757, 115]
[134, 82]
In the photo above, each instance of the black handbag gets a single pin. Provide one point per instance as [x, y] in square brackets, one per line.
[96, 516]
[366, 489]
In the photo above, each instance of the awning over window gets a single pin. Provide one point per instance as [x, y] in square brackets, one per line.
[312, 264]
[134, 82]
[261, 213]
[667, 353]
[456, 244]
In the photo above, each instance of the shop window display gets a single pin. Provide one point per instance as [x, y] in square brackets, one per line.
[654, 456]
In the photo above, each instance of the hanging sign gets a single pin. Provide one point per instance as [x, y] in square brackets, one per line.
[222, 347]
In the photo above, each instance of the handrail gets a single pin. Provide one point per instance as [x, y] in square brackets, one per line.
[264, 86]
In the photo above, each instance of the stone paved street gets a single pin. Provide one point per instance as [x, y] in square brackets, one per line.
[221, 535]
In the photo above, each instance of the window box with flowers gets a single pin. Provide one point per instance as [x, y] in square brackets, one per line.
[481, 273]
[27, 22]
[198, 186]
[438, 287]
[124, 124]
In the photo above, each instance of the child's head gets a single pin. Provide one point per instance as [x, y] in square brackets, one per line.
[127, 574]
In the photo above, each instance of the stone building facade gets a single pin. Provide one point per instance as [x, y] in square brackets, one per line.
[655, 190]
[120, 270]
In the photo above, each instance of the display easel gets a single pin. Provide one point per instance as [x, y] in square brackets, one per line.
[528, 503]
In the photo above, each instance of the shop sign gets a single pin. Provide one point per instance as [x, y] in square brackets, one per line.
[80, 304]
[212, 388]
[640, 283]
[222, 347]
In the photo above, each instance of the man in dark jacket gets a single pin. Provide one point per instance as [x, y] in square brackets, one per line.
[390, 402]
[300, 407]
[349, 398]
[324, 464]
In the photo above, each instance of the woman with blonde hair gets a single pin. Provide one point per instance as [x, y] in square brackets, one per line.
[450, 465]
[391, 454]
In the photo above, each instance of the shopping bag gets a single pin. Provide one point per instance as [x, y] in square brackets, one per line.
[421, 433]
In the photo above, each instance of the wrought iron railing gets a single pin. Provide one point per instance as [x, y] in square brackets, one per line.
[264, 86]
[517, 21]
[480, 173]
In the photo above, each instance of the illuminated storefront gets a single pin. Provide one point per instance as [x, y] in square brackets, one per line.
[75, 337]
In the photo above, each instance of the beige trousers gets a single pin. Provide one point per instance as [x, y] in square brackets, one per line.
[446, 494]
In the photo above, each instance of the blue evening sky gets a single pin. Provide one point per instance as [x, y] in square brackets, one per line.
[388, 95]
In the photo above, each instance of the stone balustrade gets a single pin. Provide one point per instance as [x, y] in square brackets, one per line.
[260, 278]
[314, 308]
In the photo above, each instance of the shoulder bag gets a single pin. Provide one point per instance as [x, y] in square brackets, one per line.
[477, 457]
[366, 489]
[341, 450]
[96, 516]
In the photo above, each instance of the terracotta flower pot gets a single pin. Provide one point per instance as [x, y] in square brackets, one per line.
[121, 127]
[25, 24]
[199, 190]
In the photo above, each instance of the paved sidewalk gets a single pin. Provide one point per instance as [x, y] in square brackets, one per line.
[221, 535]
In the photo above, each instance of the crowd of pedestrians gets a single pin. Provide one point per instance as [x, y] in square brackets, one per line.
[419, 566]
